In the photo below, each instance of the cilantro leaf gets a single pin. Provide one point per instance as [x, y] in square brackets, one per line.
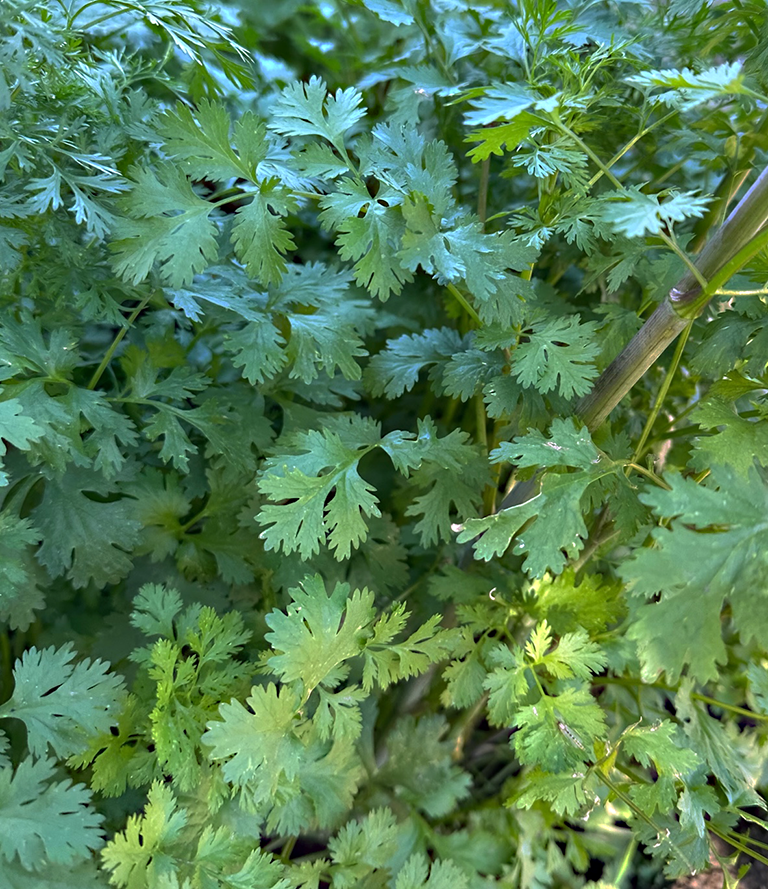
[43, 822]
[371, 241]
[16, 429]
[659, 744]
[20, 594]
[318, 632]
[62, 704]
[396, 368]
[718, 745]
[568, 792]
[202, 142]
[420, 767]
[559, 527]
[634, 213]
[558, 732]
[307, 109]
[167, 224]
[418, 873]
[333, 504]
[557, 354]
[257, 744]
[82, 536]
[387, 661]
[714, 549]
[259, 234]
[683, 88]
[495, 139]
[363, 846]
[738, 442]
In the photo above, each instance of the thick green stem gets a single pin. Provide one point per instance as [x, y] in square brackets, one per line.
[737, 241]
[685, 301]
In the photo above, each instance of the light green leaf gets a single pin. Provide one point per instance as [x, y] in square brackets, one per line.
[318, 631]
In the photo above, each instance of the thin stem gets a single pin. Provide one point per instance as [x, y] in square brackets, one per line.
[694, 307]
[683, 256]
[83, 8]
[732, 708]
[481, 421]
[466, 727]
[672, 370]
[6, 659]
[465, 304]
[761, 291]
[732, 840]
[287, 850]
[101, 19]
[482, 194]
[649, 475]
[194, 520]
[661, 686]
[591, 154]
[632, 142]
[117, 340]
[626, 861]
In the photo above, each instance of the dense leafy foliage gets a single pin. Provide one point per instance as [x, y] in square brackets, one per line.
[296, 300]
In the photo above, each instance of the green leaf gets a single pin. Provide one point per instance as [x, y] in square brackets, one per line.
[420, 768]
[495, 139]
[396, 368]
[659, 745]
[138, 856]
[259, 233]
[557, 355]
[371, 241]
[257, 745]
[20, 594]
[592, 603]
[719, 745]
[307, 109]
[154, 610]
[82, 536]
[452, 471]
[387, 661]
[203, 144]
[314, 506]
[62, 704]
[555, 733]
[503, 102]
[684, 88]
[713, 550]
[567, 793]
[634, 214]
[738, 442]
[318, 632]
[559, 527]
[418, 873]
[168, 224]
[507, 684]
[16, 429]
[363, 846]
[43, 822]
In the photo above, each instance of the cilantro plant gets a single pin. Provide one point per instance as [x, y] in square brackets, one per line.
[384, 439]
